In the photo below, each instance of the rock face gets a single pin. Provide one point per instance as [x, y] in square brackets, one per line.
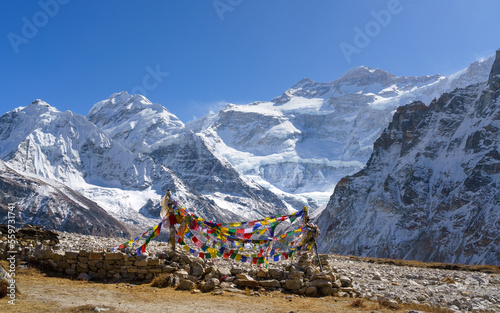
[494, 79]
[302, 143]
[53, 205]
[149, 129]
[430, 190]
[123, 157]
[243, 163]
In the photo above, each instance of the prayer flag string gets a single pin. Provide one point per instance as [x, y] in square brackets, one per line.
[253, 242]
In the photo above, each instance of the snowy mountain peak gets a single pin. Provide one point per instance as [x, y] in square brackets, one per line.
[40, 102]
[303, 82]
[360, 70]
[122, 100]
[363, 75]
[430, 189]
[120, 107]
[123, 115]
[40, 107]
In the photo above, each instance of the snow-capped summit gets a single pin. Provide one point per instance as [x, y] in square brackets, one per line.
[364, 76]
[125, 156]
[65, 146]
[134, 121]
[430, 188]
[150, 129]
[300, 144]
[40, 102]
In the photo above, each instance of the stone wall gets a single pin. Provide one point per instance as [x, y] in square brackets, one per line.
[186, 272]
[99, 265]
[176, 269]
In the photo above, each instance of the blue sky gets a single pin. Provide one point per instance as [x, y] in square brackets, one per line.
[190, 56]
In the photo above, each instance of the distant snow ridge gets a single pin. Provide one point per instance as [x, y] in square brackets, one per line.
[152, 131]
[430, 190]
[125, 155]
[242, 163]
[300, 144]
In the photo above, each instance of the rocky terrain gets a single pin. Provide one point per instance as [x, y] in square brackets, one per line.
[430, 190]
[459, 291]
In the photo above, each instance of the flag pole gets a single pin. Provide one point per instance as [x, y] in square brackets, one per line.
[314, 230]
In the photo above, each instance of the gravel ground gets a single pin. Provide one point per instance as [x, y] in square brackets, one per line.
[460, 291]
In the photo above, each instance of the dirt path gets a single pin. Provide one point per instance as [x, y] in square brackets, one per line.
[52, 294]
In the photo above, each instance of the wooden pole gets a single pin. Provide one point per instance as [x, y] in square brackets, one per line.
[314, 235]
[317, 255]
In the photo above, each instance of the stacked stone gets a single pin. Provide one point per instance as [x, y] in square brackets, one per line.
[100, 265]
[186, 272]
[302, 278]
[26, 238]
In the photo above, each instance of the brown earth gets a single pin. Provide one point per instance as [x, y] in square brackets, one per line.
[39, 293]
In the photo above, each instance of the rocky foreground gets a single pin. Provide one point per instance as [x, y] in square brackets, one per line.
[459, 291]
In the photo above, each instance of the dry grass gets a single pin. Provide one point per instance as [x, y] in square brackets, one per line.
[448, 280]
[386, 304]
[427, 308]
[490, 269]
[160, 281]
[56, 294]
[358, 303]
[3, 288]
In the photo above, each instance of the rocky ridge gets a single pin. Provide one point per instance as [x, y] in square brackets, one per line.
[430, 189]
[123, 157]
[300, 144]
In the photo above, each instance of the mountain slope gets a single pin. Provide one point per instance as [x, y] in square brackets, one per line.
[430, 190]
[299, 145]
[65, 146]
[125, 167]
[53, 205]
[151, 130]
